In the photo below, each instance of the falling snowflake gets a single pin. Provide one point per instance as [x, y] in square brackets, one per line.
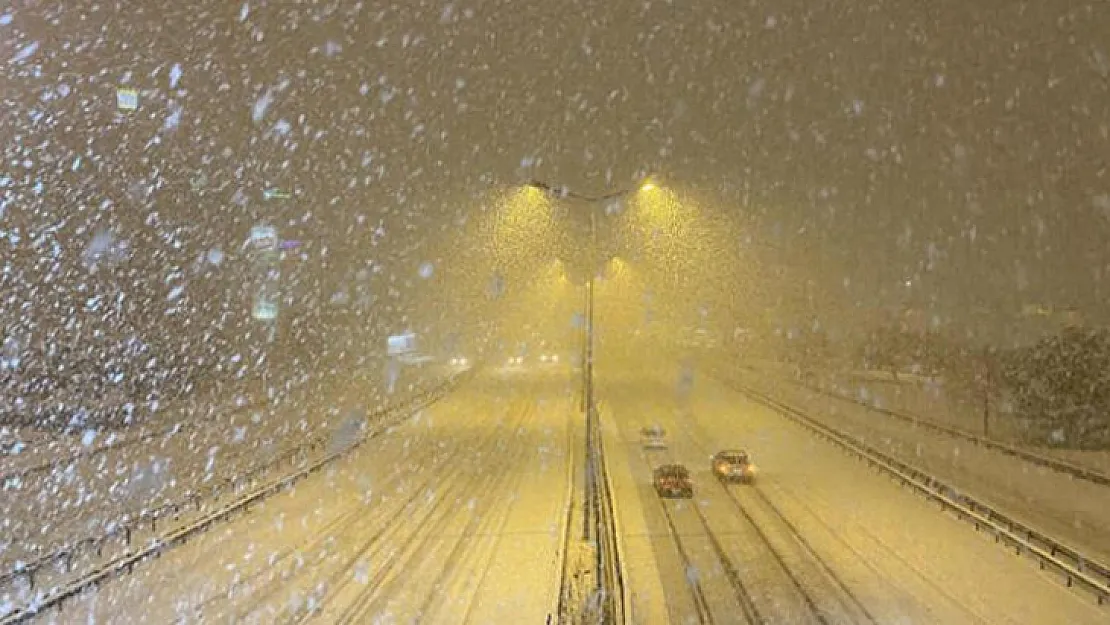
[175, 75]
[24, 53]
[258, 110]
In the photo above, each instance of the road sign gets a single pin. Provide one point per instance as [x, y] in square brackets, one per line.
[127, 99]
[276, 194]
[399, 344]
[264, 309]
[264, 238]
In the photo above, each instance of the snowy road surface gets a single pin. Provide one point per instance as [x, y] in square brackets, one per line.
[1072, 510]
[819, 539]
[456, 517]
[88, 494]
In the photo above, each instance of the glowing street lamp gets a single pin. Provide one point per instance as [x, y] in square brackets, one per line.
[592, 460]
[563, 192]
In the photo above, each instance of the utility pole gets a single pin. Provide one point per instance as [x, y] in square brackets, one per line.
[588, 347]
[986, 392]
[589, 407]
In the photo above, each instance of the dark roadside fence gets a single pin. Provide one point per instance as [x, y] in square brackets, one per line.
[279, 386]
[246, 456]
[76, 401]
[205, 507]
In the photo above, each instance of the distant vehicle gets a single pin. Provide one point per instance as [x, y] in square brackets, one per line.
[460, 361]
[733, 466]
[549, 358]
[672, 481]
[515, 361]
[653, 437]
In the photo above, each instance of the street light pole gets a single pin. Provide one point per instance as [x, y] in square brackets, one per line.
[589, 385]
[591, 512]
[595, 518]
[588, 348]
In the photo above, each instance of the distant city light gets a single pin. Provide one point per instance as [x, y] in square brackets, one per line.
[276, 194]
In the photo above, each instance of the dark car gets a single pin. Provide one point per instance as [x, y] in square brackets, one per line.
[733, 466]
[673, 481]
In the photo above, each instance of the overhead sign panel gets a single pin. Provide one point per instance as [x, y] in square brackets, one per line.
[399, 344]
[264, 309]
[276, 194]
[264, 238]
[127, 99]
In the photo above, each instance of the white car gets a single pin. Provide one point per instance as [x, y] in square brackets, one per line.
[653, 437]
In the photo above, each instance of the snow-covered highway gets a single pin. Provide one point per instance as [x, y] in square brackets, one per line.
[820, 538]
[455, 515]
[92, 500]
[458, 515]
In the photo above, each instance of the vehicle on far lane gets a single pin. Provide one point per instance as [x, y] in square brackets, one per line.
[733, 465]
[653, 437]
[672, 481]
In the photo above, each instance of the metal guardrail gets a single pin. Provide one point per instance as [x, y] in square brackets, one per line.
[127, 527]
[1055, 464]
[144, 436]
[615, 590]
[621, 571]
[52, 465]
[558, 609]
[1049, 552]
